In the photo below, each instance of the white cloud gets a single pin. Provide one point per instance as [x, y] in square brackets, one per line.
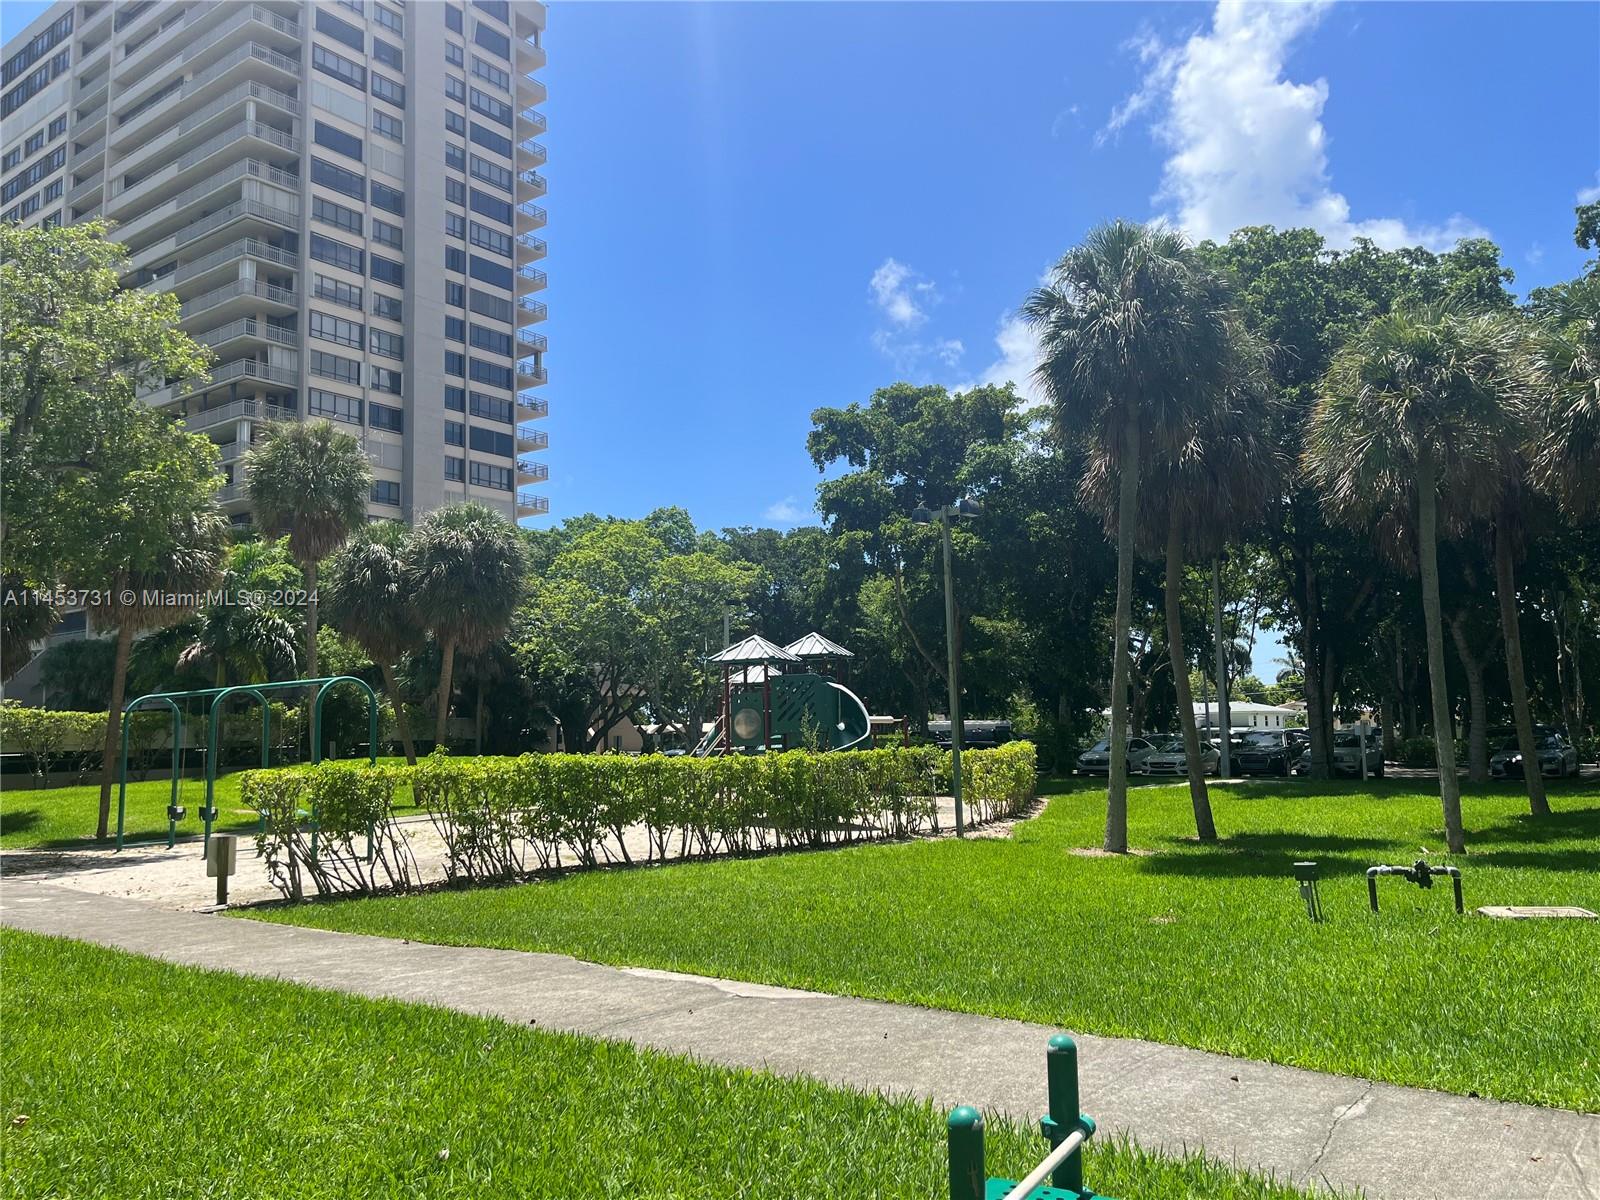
[787, 511]
[903, 297]
[1247, 145]
[1589, 195]
[1019, 354]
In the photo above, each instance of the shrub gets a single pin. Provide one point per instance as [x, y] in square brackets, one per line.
[46, 735]
[1418, 752]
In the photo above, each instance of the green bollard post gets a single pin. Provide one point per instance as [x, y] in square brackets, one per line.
[1061, 1076]
[964, 1134]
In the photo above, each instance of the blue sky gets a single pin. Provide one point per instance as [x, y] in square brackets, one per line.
[757, 209]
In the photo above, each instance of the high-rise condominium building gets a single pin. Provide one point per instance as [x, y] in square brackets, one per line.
[343, 196]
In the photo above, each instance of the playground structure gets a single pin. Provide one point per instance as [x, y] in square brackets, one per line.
[1066, 1127]
[256, 691]
[772, 700]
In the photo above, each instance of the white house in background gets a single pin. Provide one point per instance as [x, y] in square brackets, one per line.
[1245, 714]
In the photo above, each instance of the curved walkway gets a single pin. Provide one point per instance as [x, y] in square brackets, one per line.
[1393, 1142]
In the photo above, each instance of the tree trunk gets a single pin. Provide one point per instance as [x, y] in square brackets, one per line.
[1317, 723]
[1443, 733]
[447, 662]
[477, 727]
[113, 746]
[311, 619]
[1116, 839]
[402, 723]
[1199, 798]
[1477, 703]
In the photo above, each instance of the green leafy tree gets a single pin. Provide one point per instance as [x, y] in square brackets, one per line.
[1133, 338]
[312, 480]
[249, 636]
[464, 569]
[1414, 410]
[368, 600]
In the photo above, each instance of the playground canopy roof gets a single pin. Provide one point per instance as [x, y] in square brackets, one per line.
[754, 650]
[814, 645]
[758, 674]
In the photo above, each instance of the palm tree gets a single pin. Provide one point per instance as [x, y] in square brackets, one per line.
[369, 601]
[464, 571]
[1133, 345]
[150, 594]
[246, 637]
[1566, 459]
[1415, 408]
[312, 480]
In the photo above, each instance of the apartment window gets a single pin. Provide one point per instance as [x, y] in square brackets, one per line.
[490, 140]
[455, 225]
[454, 55]
[337, 215]
[491, 39]
[387, 234]
[454, 468]
[491, 239]
[385, 491]
[336, 329]
[485, 271]
[491, 339]
[488, 441]
[490, 172]
[34, 144]
[455, 329]
[355, 6]
[492, 408]
[52, 191]
[493, 207]
[388, 54]
[455, 294]
[455, 433]
[341, 31]
[388, 18]
[389, 199]
[495, 8]
[392, 128]
[385, 416]
[489, 106]
[387, 345]
[455, 191]
[455, 123]
[390, 308]
[494, 374]
[57, 128]
[386, 270]
[331, 250]
[490, 73]
[12, 159]
[455, 363]
[455, 259]
[384, 380]
[455, 399]
[325, 287]
[338, 179]
[452, 17]
[488, 305]
[389, 90]
[336, 140]
[340, 67]
[488, 475]
[332, 405]
[455, 157]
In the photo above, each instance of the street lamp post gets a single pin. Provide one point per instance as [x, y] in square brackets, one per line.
[923, 516]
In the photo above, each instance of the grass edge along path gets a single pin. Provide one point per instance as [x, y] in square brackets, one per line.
[1207, 947]
[125, 1077]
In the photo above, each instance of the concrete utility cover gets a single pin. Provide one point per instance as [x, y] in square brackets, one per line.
[1517, 912]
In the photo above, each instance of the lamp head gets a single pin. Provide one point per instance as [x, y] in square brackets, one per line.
[921, 515]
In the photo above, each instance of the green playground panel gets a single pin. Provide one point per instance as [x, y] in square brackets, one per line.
[798, 702]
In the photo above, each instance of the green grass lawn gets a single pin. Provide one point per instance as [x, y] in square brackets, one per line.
[65, 817]
[1199, 946]
[126, 1078]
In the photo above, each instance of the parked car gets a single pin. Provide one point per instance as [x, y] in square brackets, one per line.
[1170, 758]
[975, 735]
[1347, 755]
[1096, 760]
[1269, 752]
[1557, 757]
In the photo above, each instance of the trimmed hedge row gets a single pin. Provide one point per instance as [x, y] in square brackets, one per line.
[501, 818]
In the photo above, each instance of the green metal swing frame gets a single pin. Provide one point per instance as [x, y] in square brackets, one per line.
[258, 691]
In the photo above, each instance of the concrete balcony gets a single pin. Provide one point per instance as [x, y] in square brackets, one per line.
[227, 257]
[530, 471]
[245, 329]
[533, 311]
[530, 55]
[528, 18]
[531, 504]
[531, 279]
[247, 295]
[533, 152]
[89, 191]
[253, 138]
[250, 62]
[532, 341]
[239, 210]
[138, 62]
[531, 408]
[236, 410]
[533, 248]
[151, 233]
[531, 122]
[532, 439]
[530, 216]
[530, 185]
[201, 123]
[530, 375]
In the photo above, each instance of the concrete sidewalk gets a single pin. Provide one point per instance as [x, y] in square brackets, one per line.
[1393, 1142]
